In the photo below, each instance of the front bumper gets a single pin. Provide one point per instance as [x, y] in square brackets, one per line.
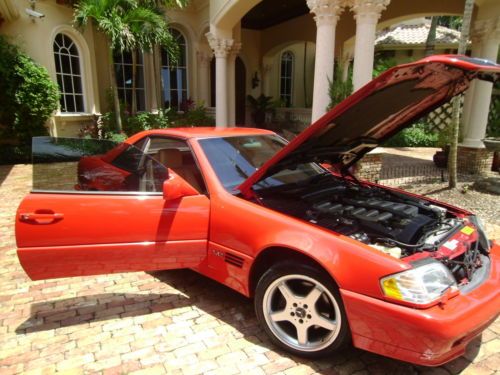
[428, 337]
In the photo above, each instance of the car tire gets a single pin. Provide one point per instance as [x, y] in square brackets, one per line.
[301, 310]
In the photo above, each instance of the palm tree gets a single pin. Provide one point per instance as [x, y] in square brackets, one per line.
[163, 5]
[129, 25]
[150, 29]
[455, 122]
[430, 43]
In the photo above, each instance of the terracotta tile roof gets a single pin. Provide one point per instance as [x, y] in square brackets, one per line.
[416, 35]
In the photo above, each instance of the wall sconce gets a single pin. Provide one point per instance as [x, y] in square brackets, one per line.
[255, 81]
[31, 11]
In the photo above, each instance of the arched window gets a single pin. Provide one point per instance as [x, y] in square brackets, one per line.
[174, 76]
[125, 79]
[286, 78]
[68, 73]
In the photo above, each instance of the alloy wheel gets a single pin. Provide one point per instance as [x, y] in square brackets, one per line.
[301, 312]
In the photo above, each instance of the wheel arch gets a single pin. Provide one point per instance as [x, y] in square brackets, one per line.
[276, 254]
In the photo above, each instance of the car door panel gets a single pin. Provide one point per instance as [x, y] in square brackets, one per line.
[61, 235]
[83, 260]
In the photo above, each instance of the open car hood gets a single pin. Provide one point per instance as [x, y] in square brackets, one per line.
[389, 103]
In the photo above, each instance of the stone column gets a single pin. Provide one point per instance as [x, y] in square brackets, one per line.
[326, 15]
[477, 119]
[204, 59]
[231, 71]
[469, 94]
[346, 63]
[366, 13]
[221, 48]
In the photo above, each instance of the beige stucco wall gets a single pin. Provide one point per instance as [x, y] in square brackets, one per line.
[36, 36]
[302, 86]
[261, 49]
[250, 54]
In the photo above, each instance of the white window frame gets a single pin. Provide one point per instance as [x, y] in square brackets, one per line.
[124, 89]
[63, 50]
[165, 86]
[290, 76]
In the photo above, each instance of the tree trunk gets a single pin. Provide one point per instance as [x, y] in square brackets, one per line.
[133, 109]
[157, 75]
[114, 89]
[462, 47]
[431, 37]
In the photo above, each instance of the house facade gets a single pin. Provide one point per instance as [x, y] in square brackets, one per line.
[233, 48]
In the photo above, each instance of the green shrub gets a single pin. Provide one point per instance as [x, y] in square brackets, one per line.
[132, 124]
[382, 64]
[417, 135]
[28, 96]
[493, 129]
[193, 117]
[145, 121]
[12, 154]
[338, 90]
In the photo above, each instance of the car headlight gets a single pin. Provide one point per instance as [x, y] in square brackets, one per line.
[420, 286]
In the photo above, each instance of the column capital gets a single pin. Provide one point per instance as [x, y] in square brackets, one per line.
[486, 29]
[326, 12]
[368, 10]
[235, 49]
[220, 46]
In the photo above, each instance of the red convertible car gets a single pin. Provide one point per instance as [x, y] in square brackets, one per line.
[327, 258]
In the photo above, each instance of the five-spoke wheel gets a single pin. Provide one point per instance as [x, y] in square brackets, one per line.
[301, 309]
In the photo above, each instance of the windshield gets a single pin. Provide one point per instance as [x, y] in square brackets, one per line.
[234, 159]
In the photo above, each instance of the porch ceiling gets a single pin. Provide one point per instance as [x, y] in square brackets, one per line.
[272, 12]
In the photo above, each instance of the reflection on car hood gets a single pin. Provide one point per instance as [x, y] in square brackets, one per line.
[374, 113]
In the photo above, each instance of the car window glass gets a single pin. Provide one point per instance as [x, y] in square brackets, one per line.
[131, 158]
[176, 155]
[234, 159]
[90, 165]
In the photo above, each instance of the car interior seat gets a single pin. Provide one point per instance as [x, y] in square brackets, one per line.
[183, 165]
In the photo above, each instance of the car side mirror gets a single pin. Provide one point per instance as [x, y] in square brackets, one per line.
[175, 187]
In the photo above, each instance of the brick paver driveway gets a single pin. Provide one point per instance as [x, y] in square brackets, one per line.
[162, 322]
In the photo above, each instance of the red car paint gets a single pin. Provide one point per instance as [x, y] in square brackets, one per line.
[74, 234]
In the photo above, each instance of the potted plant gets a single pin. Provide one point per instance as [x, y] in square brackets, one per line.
[493, 144]
[260, 106]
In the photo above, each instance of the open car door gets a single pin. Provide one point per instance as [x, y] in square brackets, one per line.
[99, 208]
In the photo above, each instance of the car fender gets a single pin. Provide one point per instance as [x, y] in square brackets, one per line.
[248, 228]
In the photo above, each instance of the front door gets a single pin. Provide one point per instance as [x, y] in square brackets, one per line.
[240, 90]
[103, 214]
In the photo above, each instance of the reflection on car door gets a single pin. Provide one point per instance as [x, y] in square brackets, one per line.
[64, 233]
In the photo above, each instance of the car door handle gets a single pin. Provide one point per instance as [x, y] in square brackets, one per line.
[41, 218]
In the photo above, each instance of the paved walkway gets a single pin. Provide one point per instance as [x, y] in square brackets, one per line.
[151, 323]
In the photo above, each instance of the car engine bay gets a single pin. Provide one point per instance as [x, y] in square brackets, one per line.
[391, 222]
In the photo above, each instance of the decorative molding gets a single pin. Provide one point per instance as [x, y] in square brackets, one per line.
[204, 58]
[89, 99]
[235, 49]
[326, 12]
[368, 10]
[220, 46]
